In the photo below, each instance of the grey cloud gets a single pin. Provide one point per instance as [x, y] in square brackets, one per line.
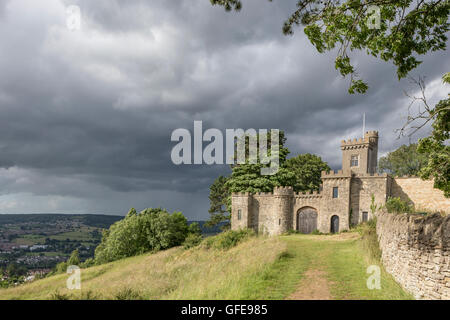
[86, 116]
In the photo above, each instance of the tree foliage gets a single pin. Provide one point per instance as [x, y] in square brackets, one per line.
[405, 161]
[407, 29]
[149, 230]
[307, 169]
[218, 197]
[436, 146]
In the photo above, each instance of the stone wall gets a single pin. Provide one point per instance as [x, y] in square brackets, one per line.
[420, 193]
[416, 252]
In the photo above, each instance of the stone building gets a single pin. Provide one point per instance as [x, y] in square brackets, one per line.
[344, 199]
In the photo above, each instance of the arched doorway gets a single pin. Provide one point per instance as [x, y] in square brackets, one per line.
[306, 220]
[334, 224]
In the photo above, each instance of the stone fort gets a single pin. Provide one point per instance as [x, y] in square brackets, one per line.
[344, 199]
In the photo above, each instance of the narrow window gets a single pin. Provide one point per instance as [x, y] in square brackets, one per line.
[335, 192]
[365, 216]
[239, 214]
[354, 161]
[279, 222]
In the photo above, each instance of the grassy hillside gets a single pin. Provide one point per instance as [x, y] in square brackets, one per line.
[260, 268]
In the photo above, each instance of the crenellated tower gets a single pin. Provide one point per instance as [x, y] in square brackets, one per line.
[360, 156]
[283, 197]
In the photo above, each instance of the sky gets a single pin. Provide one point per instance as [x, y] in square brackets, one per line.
[86, 115]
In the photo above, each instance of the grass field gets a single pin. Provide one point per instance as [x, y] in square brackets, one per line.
[260, 268]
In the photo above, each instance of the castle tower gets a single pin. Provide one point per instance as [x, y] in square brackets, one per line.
[360, 156]
[241, 210]
[282, 221]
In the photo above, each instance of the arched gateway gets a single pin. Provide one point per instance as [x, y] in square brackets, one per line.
[306, 220]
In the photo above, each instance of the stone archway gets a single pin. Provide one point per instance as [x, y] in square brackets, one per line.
[306, 220]
[334, 228]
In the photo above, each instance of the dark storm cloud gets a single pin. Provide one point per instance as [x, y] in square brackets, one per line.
[86, 116]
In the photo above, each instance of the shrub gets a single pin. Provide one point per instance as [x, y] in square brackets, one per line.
[59, 296]
[228, 239]
[397, 205]
[74, 259]
[369, 239]
[149, 230]
[192, 240]
[88, 263]
[128, 294]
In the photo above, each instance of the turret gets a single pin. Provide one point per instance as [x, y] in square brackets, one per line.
[283, 209]
[360, 156]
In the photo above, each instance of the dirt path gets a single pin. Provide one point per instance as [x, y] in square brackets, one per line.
[314, 286]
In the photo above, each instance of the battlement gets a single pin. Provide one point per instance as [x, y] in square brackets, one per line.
[310, 194]
[283, 191]
[361, 141]
[355, 141]
[371, 134]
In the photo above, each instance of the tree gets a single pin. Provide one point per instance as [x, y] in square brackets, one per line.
[218, 197]
[149, 230]
[435, 147]
[247, 177]
[74, 259]
[405, 161]
[307, 169]
[392, 30]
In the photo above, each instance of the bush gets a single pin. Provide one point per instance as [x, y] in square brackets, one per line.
[74, 259]
[397, 205]
[88, 263]
[150, 230]
[192, 240]
[228, 239]
[369, 239]
[128, 294]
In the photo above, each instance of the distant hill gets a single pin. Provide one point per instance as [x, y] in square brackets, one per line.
[92, 220]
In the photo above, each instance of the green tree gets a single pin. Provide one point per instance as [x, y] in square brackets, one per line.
[218, 197]
[405, 161]
[308, 170]
[74, 259]
[247, 177]
[194, 228]
[407, 29]
[149, 230]
[15, 270]
[436, 146]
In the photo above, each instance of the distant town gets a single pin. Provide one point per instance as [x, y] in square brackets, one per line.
[32, 245]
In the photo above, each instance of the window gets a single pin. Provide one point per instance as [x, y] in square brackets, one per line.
[239, 214]
[279, 222]
[335, 192]
[354, 161]
[365, 216]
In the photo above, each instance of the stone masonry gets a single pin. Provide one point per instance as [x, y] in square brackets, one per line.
[416, 251]
[344, 198]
